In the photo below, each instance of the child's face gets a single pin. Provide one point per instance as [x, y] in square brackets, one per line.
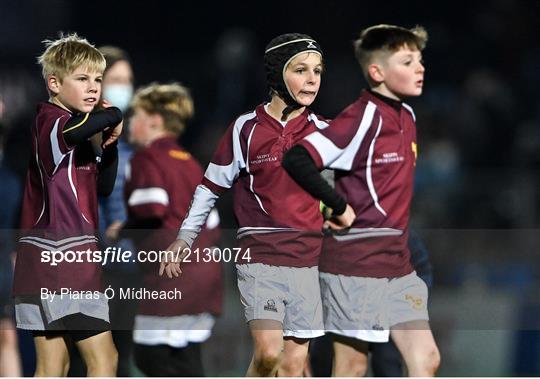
[139, 127]
[303, 77]
[404, 73]
[79, 91]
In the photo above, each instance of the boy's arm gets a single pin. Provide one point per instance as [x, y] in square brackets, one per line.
[220, 175]
[201, 205]
[107, 170]
[301, 167]
[83, 126]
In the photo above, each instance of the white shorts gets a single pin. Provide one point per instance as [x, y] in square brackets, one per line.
[34, 313]
[289, 295]
[366, 308]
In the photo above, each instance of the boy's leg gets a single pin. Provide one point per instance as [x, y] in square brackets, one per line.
[267, 347]
[99, 354]
[417, 346]
[385, 359]
[10, 362]
[320, 356]
[295, 353]
[350, 356]
[409, 320]
[52, 354]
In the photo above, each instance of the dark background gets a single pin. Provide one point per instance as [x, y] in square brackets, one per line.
[477, 186]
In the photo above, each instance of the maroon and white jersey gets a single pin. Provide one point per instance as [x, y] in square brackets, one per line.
[372, 147]
[278, 221]
[160, 182]
[59, 210]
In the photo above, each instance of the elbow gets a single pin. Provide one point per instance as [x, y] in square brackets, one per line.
[105, 191]
[287, 162]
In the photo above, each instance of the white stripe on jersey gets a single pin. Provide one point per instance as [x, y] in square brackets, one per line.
[369, 177]
[342, 159]
[57, 154]
[251, 178]
[326, 148]
[151, 195]
[59, 242]
[245, 231]
[237, 148]
[346, 159]
[318, 123]
[70, 176]
[409, 108]
[224, 176]
[357, 233]
[42, 184]
[40, 242]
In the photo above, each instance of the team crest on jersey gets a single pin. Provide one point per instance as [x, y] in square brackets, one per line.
[416, 302]
[270, 305]
[179, 154]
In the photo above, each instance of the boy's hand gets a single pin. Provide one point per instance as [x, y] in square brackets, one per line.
[112, 232]
[342, 221]
[111, 135]
[174, 255]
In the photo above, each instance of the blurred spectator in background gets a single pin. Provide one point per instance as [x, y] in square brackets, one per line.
[10, 193]
[118, 90]
[160, 182]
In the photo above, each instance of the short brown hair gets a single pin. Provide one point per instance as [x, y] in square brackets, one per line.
[172, 101]
[387, 38]
[113, 54]
[64, 55]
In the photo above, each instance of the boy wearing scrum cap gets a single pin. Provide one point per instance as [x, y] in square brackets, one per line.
[279, 222]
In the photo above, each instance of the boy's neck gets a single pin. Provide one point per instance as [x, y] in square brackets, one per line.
[277, 105]
[381, 89]
[158, 135]
[54, 100]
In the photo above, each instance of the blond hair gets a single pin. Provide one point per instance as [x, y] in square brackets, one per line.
[386, 39]
[172, 102]
[64, 55]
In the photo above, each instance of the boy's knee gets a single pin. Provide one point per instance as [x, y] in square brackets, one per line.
[103, 360]
[293, 363]
[433, 361]
[350, 365]
[267, 358]
[426, 363]
[52, 368]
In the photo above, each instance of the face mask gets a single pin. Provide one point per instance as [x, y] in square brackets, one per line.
[119, 95]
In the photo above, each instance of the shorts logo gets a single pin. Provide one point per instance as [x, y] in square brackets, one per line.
[415, 301]
[377, 327]
[270, 306]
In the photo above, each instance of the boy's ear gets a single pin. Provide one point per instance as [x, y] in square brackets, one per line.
[156, 121]
[53, 83]
[376, 73]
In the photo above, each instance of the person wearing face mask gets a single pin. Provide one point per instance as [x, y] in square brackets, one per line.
[118, 90]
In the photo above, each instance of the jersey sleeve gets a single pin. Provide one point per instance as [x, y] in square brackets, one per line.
[145, 190]
[336, 146]
[226, 163]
